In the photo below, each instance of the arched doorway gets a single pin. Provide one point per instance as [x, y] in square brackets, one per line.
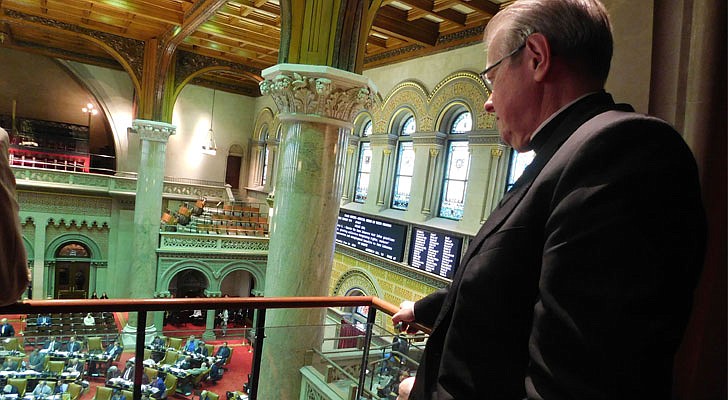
[238, 283]
[188, 283]
[72, 271]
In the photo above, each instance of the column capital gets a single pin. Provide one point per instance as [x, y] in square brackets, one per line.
[212, 293]
[154, 131]
[317, 90]
[429, 138]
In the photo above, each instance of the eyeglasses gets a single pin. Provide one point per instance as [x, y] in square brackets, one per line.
[484, 74]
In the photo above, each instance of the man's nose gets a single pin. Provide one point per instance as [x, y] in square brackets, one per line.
[489, 107]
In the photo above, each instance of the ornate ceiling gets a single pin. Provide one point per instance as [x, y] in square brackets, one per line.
[242, 34]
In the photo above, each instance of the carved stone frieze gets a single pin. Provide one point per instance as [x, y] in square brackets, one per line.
[484, 138]
[64, 204]
[295, 93]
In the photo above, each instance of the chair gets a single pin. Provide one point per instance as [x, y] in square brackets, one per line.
[52, 385]
[103, 393]
[210, 349]
[55, 367]
[18, 359]
[19, 384]
[128, 394]
[170, 381]
[170, 357]
[175, 343]
[147, 354]
[94, 345]
[151, 373]
[200, 377]
[12, 344]
[207, 395]
[74, 390]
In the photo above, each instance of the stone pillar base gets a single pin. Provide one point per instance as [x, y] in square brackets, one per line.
[128, 335]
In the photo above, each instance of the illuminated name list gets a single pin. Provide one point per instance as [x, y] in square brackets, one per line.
[436, 253]
[380, 238]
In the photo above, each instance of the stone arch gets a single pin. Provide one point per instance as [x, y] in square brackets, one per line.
[466, 88]
[166, 277]
[57, 243]
[408, 94]
[255, 270]
[357, 278]
[444, 118]
[266, 117]
[29, 249]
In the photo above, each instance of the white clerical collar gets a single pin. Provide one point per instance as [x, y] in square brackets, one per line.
[559, 111]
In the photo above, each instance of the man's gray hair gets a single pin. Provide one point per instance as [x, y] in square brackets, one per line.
[577, 30]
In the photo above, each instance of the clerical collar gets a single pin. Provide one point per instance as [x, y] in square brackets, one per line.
[536, 144]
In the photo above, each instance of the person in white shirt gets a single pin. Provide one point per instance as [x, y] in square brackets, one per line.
[89, 320]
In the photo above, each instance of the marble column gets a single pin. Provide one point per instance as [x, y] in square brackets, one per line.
[317, 105]
[147, 211]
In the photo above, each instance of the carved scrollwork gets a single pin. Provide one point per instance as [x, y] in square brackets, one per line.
[316, 95]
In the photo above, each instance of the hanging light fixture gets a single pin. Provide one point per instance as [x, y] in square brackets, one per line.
[210, 147]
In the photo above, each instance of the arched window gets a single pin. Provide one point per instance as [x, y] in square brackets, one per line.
[364, 167]
[519, 162]
[264, 154]
[457, 166]
[405, 163]
[73, 250]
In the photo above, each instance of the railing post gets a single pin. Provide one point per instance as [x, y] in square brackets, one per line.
[258, 354]
[371, 317]
[139, 353]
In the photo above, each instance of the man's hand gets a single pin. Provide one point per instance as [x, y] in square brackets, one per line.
[405, 315]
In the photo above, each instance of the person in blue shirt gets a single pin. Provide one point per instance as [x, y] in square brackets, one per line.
[191, 344]
[43, 320]
[159, 384]
[117, 395]
[113, 350]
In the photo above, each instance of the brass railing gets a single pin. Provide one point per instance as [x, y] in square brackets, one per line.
[260, 304]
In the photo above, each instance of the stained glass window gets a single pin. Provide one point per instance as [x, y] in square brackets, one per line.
[405, 165]
[457, 167]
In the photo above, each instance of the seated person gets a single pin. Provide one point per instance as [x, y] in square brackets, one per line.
[184, 363]
[159, 384]
[42, 389]
[112, 373]
[43, 320]
[73, 346]
[53, 344]
[117, 395]
[191, 344]
[6, 329]
[61, 387]
[36, 360]
[10, 389]
[158, 342]
[215, 373]
[89, 320]
[11, 364]
[201, 349]
[113, 350]
[223, 352]
[75, 365]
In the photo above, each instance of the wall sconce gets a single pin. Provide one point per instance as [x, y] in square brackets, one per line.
[210, 147]
[90, 110]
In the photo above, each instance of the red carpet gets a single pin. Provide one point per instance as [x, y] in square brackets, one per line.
[233, 379]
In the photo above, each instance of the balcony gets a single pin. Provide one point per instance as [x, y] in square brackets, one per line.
[353, 359]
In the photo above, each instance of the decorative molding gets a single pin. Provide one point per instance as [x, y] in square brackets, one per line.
[154, 131]
[316, 95]
[396, 268]
[130, 49]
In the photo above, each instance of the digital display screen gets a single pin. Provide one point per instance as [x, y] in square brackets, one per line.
[436, 253]
[377, 237]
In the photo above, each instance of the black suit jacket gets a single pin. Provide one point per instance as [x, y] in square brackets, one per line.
[579, 285]
[7, 330]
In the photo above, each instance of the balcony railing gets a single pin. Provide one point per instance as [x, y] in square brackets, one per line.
[359, 363]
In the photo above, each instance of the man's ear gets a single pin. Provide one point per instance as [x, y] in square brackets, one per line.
[539, 55]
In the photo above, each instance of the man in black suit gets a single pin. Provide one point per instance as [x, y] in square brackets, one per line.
[53, 344]
[223, 352]
[580, 283]
[73, 346]
[6, 329]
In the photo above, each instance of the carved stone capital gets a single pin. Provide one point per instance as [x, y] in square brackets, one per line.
[154, 131]
[212, 293]
[317, 90]
[429, 138]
